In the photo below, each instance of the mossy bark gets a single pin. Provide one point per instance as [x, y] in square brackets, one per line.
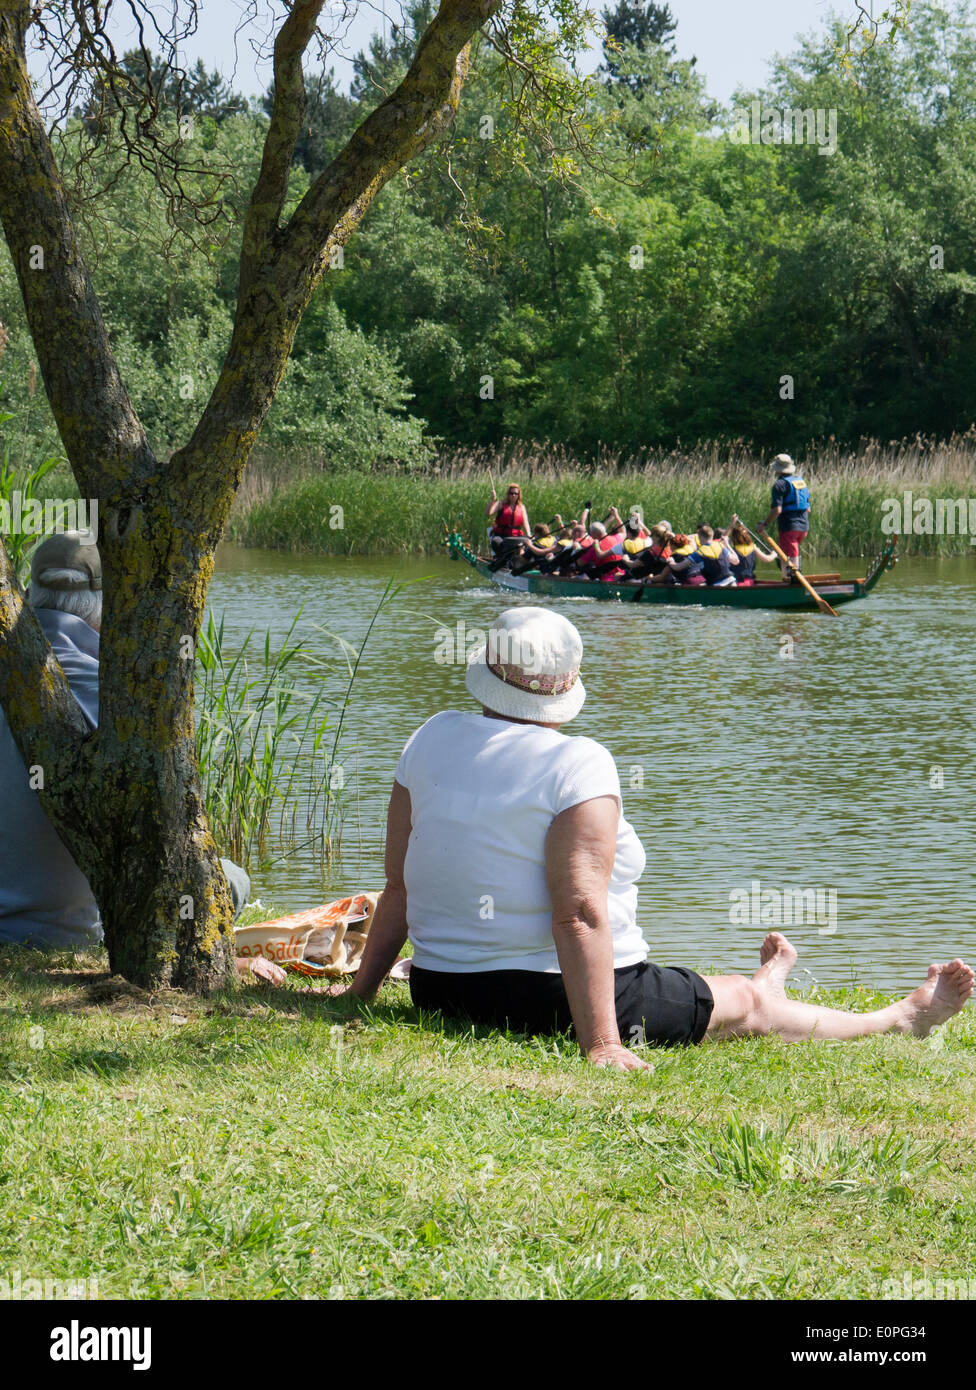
[126, 799]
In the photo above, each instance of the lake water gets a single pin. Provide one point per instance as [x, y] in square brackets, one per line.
[758, 752]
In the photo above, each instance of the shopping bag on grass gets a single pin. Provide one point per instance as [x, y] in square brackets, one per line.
[322, 941]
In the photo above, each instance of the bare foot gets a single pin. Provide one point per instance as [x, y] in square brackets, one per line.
[778, 957]
[945, 992]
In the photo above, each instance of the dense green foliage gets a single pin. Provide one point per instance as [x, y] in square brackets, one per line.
[629, 271]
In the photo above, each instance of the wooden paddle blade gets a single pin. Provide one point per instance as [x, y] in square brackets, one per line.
[821, 603]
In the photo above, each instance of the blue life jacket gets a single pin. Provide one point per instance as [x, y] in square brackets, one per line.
[797, 496]
[695, 566]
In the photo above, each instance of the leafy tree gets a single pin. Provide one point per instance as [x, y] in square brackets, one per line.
[126, 800]
[152, 85]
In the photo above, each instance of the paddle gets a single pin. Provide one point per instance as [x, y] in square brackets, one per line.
[821, 603]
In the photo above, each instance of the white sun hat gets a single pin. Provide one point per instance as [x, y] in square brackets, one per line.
[784, 464]
[529, 667]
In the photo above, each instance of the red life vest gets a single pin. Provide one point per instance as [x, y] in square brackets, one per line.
[605, 551]
[609, 550]
[510, 521]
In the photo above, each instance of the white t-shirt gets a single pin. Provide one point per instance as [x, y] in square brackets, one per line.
[483, 795]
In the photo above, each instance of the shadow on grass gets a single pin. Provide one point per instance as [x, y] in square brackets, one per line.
[211, 1029]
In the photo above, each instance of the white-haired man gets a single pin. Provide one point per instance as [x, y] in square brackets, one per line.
[790, 506]
[45, 899]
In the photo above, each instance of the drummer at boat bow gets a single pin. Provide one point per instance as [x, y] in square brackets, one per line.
[511, 523]
[790, 506]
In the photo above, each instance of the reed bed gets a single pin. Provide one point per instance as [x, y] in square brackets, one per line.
[268, 749]
[261, 746]
[298, 506]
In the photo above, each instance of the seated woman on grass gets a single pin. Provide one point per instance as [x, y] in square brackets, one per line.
[513, 872]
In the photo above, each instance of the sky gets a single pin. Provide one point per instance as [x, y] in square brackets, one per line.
[733, 40]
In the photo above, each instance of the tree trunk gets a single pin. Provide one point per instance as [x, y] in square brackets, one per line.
[126, 799]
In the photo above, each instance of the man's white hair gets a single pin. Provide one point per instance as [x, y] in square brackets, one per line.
[83, 603]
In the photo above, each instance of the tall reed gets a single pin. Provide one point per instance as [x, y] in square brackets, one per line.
[268, 768]
[254, 728]
[391, 514]
[29, 482]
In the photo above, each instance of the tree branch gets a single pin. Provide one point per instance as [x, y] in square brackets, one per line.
[271, 189]
[102, 436]
[275, 287]
[410, 119]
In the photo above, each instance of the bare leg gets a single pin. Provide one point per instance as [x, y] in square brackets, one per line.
[747, 1008]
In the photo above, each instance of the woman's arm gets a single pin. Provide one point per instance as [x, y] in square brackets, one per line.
[580, 850]
[494, 505]
[388, 929]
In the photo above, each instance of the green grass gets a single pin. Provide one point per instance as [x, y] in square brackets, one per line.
[271, 1143]
[390, 514]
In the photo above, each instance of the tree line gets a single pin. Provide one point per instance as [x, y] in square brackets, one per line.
[644, 268]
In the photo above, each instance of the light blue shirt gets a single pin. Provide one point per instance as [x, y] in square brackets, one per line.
[45, 899]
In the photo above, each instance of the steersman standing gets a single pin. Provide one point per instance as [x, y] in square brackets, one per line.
[790, 505]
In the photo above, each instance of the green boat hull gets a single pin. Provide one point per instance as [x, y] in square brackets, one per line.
[763, 594]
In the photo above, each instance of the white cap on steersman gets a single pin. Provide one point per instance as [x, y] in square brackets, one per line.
[784, 464]
[529, 667]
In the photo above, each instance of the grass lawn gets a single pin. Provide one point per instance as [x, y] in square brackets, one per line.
[270, 1143]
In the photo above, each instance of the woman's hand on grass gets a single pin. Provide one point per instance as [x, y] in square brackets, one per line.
[618, 1056]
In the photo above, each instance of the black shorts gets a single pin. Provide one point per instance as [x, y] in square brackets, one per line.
[660, 1006]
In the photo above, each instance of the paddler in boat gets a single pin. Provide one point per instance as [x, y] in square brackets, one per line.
[790, 507]
[748, 553]
[540, 547]
[567, 548]
[685, 563]
[717, 559]
[600, 559]
[511, 524]
[637, 538]
[650, 561]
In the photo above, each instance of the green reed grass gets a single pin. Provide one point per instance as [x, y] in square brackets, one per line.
[255, 730]
[267, 761]
[33, 485]
[399, 514]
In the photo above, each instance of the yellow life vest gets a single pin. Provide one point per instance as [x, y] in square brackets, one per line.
[746, 549]
[546, 542]
[635, 546]
[712, 549]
